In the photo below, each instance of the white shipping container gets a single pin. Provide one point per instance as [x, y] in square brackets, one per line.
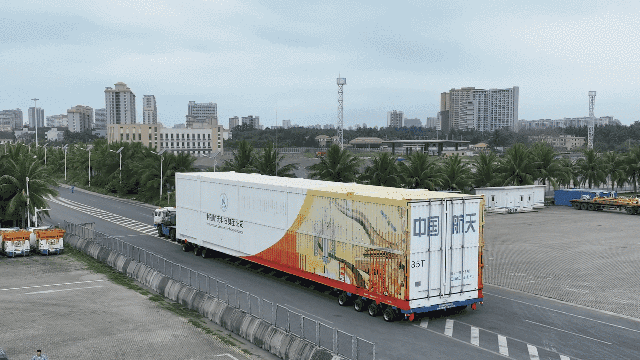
[413, 250]
[509, 199]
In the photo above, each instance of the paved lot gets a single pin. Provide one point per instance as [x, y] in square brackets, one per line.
[582, 257]
[55, 304]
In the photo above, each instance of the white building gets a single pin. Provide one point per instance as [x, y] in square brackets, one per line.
[286, 124]
[195, 141]
[149, 110]
[567, 122]
[433, 123]
[413, 122]
[252, 120]
[36, 114]
[233, 122]
[11, 119]
[395, 119]
[100, 119]
[480, 109]
[55, 134]
[120, 104]
[80, 118]
[60, 120]
[204, 113]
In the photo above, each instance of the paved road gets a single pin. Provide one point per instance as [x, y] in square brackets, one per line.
[512, 324]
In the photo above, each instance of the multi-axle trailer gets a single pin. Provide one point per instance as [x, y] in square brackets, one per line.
[630, 205]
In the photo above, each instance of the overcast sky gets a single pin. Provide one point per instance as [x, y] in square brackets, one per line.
[251, 57]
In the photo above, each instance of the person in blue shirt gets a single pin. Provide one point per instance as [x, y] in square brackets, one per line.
[39, 356]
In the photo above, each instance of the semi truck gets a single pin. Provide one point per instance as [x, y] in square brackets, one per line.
[630, 205]
[389, 251]
[164, 219]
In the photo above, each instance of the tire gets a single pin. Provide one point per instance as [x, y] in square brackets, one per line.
[629, 210]
[196, 250]
[373, 309]
[185, 247]
[389, 315]
[204, 253]
[160, 234]
[591, 207]
[358, 305]
[576, 205]
[343, 299]
[583, 206]
[172, 234]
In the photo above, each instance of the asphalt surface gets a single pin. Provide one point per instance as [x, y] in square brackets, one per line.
[513, 324]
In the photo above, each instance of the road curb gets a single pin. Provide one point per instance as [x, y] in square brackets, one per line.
[257, 331]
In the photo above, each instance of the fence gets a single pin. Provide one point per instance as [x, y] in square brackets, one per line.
[325, 336]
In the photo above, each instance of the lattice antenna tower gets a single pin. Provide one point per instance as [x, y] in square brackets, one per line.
[592, 119]
[341, 82]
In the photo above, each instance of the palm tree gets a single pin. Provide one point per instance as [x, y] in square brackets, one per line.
[485, 166]
[421, 172]
[632, 166]
[243, 159]
[614, 168]
[518, 166]
[568, 176]
[547, 167]
[337, 165]
[591, 169]
[23, 171]
[456, 175]
[268, 163]
[383, 171]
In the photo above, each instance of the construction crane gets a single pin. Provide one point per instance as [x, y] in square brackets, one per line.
[592, 119]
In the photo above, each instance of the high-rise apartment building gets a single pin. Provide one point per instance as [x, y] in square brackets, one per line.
[233, 122]
[433, 123]
[149, 110]
[11, 119]
[36, 114]
[413, 122]
[480, 109]
[286, 124]
[100, 119]
[60, 120]
[120, 104]
[251, 120]
[80, 118]
[199, 114]
[395, 119]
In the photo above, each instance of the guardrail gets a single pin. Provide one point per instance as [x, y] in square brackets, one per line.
[328, 337]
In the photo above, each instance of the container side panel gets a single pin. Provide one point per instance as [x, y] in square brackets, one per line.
[188, 207]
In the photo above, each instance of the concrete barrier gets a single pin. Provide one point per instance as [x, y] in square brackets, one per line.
[257, 331]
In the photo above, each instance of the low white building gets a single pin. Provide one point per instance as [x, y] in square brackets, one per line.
[508, 199]
[196, 141]
[55, 134]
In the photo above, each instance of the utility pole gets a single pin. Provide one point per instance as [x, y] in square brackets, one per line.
[341, 82]
[35, 117]
[592, 119]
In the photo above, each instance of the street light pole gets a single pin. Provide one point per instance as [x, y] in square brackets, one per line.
[35, 117]
[161, 160]
[65, 161]
[89, 147]
[28, 215]
[119, 152]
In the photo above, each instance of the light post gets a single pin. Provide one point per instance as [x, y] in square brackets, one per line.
[89, 147]
[213, 157]
[119, 152]
[35, 117]
[45, 154]
[65, 161]
[28, 216]
[36, 216]
[161, 160]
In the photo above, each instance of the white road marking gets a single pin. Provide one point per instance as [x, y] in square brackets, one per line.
[502, 343]
[475, 336]
[533, 352]
[448, 328]
[51, 291]
[229, 355]
[46, 285]
[564, 357]
[568, 332]
[310, 314]
[566, 313]
[424, 323]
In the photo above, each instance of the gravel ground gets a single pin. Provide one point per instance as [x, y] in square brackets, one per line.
[589, 258]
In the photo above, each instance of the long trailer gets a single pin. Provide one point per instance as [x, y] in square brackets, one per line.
[630, 205]
[387, 250]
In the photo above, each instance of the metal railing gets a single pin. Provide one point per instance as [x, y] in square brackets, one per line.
[322, 335]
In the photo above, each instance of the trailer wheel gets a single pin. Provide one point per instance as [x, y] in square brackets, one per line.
[172, 234]
[373, 309]
[343, 299]
[196, 250]
[389, 314]
[185, 247]
[583, 206]
[358, 305]
[204, 253]
[160, 234]
[591, 207]
[576, 205]
[630, 210]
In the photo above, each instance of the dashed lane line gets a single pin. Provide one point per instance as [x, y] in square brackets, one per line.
[533, 352]
[47, 285]
[52, 291]
[448, 328]
[475, 336]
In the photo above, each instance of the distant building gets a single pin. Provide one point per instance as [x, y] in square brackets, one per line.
[179, 126]
[251, 120]
[567, 122]
[149, 110]
[322, 140]
[432, 123]
[443, 120]
[100, 119]
[413, 122]
[366, 142]
[233, 122]
[329, 127]
[480, 109]
[147, 134]
[567, 142]
[80, 118]
[395, 119]
[199, 114]
[55, 134]
[60, 120]
[11, 119]
[286, 124]
[36, 114]
[120, 104]
[194, 141]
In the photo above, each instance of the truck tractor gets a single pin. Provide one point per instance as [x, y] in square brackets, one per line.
[164, 219]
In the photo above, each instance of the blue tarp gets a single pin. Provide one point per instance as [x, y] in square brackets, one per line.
[564, 196]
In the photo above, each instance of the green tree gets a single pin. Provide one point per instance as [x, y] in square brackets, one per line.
[421, 172]
[456, 175]
[518, 166]
[485, 165]
[591, 169]
[268, 163]
[383, 171]
[243, 159]
[337, 165]
[614, 168]
[631, 165]
[547, 166]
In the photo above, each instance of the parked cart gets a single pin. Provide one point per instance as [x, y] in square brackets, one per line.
[15, 242]
[47, 240]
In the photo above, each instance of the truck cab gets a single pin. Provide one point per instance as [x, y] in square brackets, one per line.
[164, 219]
